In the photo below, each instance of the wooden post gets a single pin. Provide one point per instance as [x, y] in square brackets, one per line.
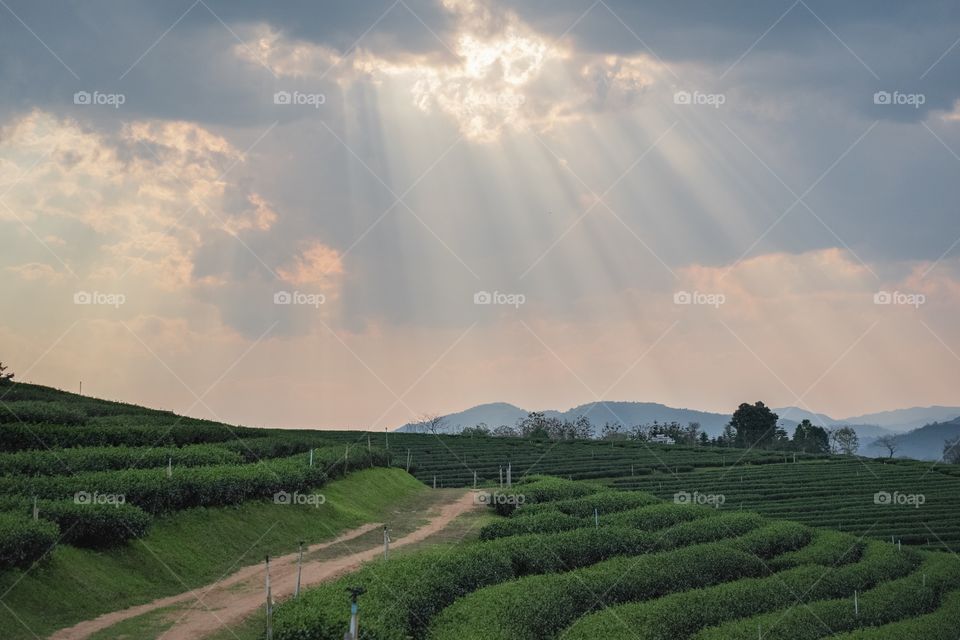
[408, 460]
[501, 476]
[434, 481]
[269, 603]
[474, 479]
[296, 594]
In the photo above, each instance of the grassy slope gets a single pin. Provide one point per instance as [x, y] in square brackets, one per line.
[186, 550]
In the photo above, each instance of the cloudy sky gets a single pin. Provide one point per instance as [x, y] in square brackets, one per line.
[351, 213]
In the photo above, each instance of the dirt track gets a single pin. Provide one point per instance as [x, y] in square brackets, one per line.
[230, 600]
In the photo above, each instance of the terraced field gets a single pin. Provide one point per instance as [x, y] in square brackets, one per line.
[453, 459]
[915, 502]
[639, 568]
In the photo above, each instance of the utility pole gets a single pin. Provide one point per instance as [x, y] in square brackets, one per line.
[81, 388]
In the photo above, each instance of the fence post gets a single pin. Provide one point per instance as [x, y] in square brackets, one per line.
[386, 543]
[856, 604]
[408, 460]
[501, 476]
[296, 594]
[474, 479]
[311, 456]
[434, 481]
[269, 603]
[169, 467]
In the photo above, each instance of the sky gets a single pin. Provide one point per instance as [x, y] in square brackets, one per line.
[331, 214]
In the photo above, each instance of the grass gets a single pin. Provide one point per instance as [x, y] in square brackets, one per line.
[189, 549]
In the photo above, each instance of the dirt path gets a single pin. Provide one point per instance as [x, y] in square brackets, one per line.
[230, 600]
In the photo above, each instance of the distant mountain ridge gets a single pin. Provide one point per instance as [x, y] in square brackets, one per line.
[869, 427]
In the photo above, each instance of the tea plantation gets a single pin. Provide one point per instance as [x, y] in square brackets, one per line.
[576, 560]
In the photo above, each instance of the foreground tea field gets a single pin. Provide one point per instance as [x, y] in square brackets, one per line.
[916, 502]
[641, 568]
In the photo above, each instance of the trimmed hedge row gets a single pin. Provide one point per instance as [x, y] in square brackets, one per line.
[654, 516]
[65, 461]
[24, 540]
[536, 489]
[18, 437]
[918, 593]
[411, 590]
[684, 614]
[96, 526]
[604, 502]
[539, 607]
[32, 411]
[154, 492]
[942, 624]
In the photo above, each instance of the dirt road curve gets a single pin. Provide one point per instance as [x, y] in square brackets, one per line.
[233, 598]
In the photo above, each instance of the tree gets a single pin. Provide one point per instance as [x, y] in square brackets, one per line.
[480, 430]
[888, 442]
[503, 431]
[755, 425]
[5, 378]
[429, 423]
[535, 426]
[951, 451]
[810, 438]
[704, 438]
[844, 441]
[582, 428]
[612, 431]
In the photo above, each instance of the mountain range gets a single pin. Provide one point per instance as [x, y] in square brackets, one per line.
[920, 431]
